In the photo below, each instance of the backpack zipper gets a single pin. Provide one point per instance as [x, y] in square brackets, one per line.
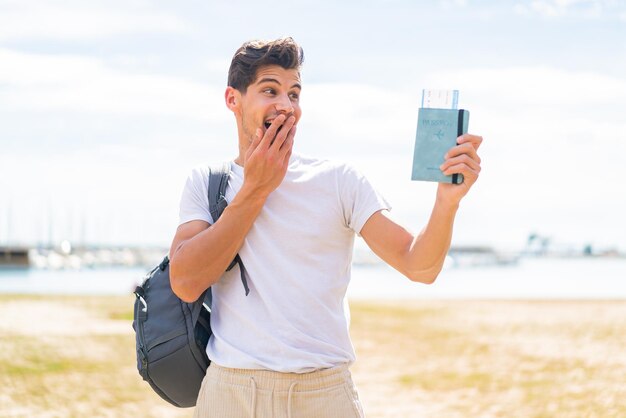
[140, 324]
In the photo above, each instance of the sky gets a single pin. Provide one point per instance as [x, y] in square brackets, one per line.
[105, 106]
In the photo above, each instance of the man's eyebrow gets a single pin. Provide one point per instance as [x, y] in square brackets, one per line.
[268, 80]
[273, 80]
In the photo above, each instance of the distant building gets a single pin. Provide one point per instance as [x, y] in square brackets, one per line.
[14, 257]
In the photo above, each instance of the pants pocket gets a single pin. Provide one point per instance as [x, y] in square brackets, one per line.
[353, 396]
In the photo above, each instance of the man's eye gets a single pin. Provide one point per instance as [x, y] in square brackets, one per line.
[269, 91]
[294, 96]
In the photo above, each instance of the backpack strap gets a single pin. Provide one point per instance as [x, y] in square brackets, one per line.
[218, 180]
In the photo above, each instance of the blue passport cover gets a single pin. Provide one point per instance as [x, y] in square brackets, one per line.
[437, 131]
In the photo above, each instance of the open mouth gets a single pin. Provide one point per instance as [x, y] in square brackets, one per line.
[268, 123]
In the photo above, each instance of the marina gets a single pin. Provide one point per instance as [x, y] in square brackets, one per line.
[594, 278]
[67, 257]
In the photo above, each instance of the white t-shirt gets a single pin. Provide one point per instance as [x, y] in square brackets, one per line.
[298, 256]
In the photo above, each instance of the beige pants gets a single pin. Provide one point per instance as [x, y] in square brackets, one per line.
[239, 393]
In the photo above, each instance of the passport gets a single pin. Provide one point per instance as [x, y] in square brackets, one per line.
[437, 131]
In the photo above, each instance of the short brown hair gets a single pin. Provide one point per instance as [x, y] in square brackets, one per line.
[253, 55]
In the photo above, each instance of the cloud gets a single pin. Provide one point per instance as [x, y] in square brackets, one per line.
[337, 116]
[542, 106]
[116, 190]
[360, 116]
[536, 86]
[78, 21]
[553, 138]
[592, 9]
[42, 82]
[451, 4]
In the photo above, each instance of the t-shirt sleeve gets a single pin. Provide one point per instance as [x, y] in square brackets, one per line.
[359, 199]
[194, 202]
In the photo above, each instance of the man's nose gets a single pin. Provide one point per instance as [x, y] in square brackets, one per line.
[283, 104]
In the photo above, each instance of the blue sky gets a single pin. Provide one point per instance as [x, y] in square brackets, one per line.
[106, 105]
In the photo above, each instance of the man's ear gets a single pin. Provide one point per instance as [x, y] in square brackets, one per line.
[232, 97]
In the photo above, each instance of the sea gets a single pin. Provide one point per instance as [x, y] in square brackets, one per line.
[530, 278]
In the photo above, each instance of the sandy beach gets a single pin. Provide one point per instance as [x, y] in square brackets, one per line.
[74, 357]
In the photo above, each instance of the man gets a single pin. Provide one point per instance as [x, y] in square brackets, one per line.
[285, 347]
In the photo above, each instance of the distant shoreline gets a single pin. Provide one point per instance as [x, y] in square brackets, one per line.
[530, 279]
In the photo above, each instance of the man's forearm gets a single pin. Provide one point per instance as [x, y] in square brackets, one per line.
[200, 261]
[429, 249]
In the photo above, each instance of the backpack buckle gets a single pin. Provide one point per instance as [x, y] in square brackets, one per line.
[143, 302]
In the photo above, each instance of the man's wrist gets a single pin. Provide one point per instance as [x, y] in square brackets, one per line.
[252, 195]
[447, 204]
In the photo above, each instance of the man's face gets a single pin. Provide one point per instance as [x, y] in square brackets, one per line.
[275, 91]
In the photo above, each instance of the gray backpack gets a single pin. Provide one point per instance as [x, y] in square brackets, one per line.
[171, 335]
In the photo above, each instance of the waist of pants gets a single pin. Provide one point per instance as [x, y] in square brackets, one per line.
[279, 381]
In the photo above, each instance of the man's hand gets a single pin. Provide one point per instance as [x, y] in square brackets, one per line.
[462, 159]
[267, 158]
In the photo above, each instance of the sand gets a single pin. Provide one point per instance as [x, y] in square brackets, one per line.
[74, 357]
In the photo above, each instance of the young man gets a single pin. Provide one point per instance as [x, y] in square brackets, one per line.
[284, 348]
